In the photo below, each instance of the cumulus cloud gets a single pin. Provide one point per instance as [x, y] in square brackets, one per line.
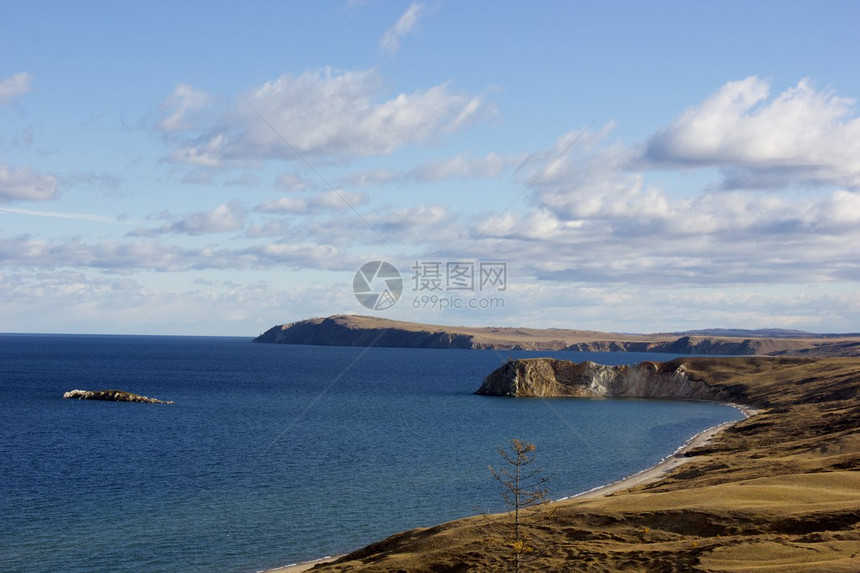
[222, 219]
[801, 136]
[603, 212]
[25, 184]
[390, 41]
[328, 114]
[14, 86]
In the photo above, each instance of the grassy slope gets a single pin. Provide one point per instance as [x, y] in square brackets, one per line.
[779, 491]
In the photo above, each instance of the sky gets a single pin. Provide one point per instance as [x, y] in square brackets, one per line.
[216, 168]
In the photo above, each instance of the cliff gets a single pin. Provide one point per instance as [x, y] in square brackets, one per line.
[351, 330]
[547, 377]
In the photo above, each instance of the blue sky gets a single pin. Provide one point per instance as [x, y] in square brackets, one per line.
[218, 168]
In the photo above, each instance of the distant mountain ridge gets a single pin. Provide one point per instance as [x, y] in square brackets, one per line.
[356, 330]
[756, 333]
[763, 333]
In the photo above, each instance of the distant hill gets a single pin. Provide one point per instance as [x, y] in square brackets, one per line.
[354, 330]
[745, 333]
[764, 333]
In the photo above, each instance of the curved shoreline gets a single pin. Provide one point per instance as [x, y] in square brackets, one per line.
[667, 464]
[648, 475]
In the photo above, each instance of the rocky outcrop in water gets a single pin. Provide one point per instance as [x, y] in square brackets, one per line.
[548, 377]
[112, 396]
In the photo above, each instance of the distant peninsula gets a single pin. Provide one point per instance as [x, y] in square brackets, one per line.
[356, 330]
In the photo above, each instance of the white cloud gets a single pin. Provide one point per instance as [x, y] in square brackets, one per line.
[24, 184]
[245, 179]
[800, 137]
[222, 219]
[14, 86]
[490, 166]
[599, 217]
[599, 212]
[89, 302]
[208, 154]
[373, 178]
[405, 24]
[637, 235]
[319, 203]
[426, 224]
[125, 256]
[464, 166]
[328, 114]
[666, 307]
[183, 102]
[430, 225]
[292, 182]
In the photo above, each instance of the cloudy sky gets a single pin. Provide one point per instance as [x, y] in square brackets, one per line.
[218, 168]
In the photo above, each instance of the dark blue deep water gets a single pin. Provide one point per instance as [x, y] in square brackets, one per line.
[273, 454]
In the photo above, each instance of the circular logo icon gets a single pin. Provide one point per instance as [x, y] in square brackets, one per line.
[377, 285]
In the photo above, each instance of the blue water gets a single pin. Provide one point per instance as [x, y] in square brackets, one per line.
[273, 454]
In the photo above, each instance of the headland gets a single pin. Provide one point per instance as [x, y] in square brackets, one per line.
[355, 330]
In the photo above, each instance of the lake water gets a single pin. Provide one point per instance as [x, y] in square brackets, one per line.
[273, 454]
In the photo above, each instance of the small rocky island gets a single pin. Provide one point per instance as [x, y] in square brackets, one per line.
[112, 396]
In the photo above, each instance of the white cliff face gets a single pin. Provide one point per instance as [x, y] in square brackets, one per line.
[549, 377]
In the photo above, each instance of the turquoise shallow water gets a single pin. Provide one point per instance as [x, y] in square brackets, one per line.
[273, 454]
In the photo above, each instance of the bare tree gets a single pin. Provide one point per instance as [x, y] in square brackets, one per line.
[522, 488]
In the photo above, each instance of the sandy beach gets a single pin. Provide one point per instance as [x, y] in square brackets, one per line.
[669, 464]
[649, 475]
[299, 567]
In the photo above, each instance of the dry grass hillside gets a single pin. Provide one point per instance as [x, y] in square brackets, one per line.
[779, 491]
[354, 330]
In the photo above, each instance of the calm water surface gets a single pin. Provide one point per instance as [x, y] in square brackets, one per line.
[273, 454]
